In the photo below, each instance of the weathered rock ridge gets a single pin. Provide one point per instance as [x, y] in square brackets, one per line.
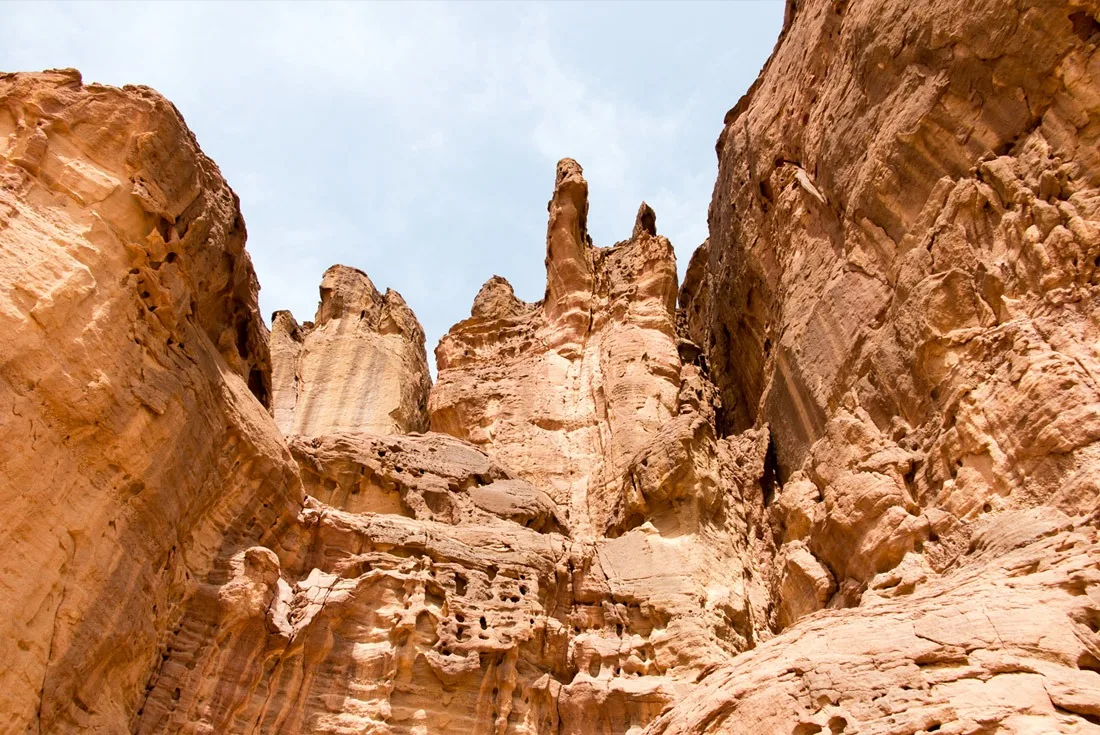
[848, 486]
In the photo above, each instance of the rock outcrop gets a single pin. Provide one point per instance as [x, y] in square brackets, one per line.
[900, 283]
[568, 390]
[850, 485]
[359, 366]
[133, 377]
[438, 584]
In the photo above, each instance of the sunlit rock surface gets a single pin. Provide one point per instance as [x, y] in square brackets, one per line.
[438, 584]
[359, 366]
[848, 486]
[138, 449]
[901, 283]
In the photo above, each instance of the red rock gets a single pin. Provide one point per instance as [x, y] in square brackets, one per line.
[849, 486]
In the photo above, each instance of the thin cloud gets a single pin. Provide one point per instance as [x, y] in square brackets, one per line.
[417, 140]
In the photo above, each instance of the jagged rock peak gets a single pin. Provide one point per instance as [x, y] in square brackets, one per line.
[608, 317]
[645, 223]
[569, 268]
[361, 366]
[346, 290]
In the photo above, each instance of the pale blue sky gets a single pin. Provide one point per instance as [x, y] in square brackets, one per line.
[417, 141]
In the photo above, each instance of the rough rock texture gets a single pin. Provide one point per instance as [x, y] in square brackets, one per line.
[901, 284]
[359, 366]
[135, 457]
[850, 486]
[1005, 642]
[568, 390]
[431, 586]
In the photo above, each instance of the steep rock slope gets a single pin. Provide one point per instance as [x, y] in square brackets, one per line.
[135, 453]
[901, 284]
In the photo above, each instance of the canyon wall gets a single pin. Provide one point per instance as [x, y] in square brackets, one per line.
[134, 374]
[901, 283]
[842, 480]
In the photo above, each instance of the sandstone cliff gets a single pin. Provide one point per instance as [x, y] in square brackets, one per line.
[848, 486]
[901, 283]
[133, 376]
[360, 365]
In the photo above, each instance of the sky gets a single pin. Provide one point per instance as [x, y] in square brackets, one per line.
[417, 141]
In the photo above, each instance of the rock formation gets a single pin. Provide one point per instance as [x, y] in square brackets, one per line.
[568, 390]
[133, 381]
[438, 584]
[849, 485]
[901, 283]
[349, 369]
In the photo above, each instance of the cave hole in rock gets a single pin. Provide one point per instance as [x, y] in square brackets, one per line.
[257, 386]
[1084, 25]
[434, 596]
[1088, 662]
[771, 479]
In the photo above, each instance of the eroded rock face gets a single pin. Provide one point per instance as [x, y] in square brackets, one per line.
[431, 586]
[902, 252]
[566, 391]
[136, 455]
[849, 486]
[900, 284]
[1005, 642]
[359, 366]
